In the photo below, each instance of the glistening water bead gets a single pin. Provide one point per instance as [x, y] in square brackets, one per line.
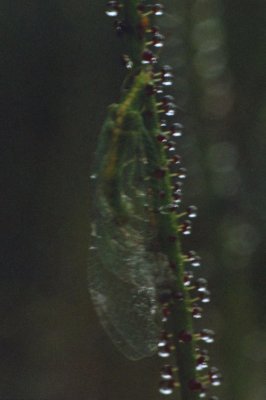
[164, 351]
[166, 372]
[112, 8]
[148, 57]
[158, 9]
[207, 335]
[157, 40]
[166, 387]
[215, 376]
[192, 211]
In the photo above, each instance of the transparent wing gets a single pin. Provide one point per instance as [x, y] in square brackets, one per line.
[125, 299]
[124, 266]
[123, 275]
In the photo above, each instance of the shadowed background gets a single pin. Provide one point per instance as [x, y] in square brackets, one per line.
[59, 70]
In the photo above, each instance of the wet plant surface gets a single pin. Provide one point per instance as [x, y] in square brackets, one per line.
[60, 70]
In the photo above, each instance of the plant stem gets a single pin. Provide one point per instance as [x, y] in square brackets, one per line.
[138, 116]
[134, 39]
[180, 318]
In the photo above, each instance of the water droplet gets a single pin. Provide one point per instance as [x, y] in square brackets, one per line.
[178, 185]
[176, 159]
[166, 371]
[170, 146]
[170, 109]
[196, 262]
[168, 81]
[192, 212]
[173, 208]
[177, 191]
[196, 312]
[201, 284]
[161, 138]
[215, 376]
[127, 62]
[193, 258]
[167, 75]
[163, 124]
[176, 129]
[167, 99]
[158, 40]
[159, 89]
[201, 363]
[164, 351]
[207, 335]
[163, 339]
[188, 276]
[186, 227]
[148, 57]
[112, 8]
[202, 394]
[166, 69]
[93, 177]
[182, 174]
[158, 9]
[166, 387]
[204, 296]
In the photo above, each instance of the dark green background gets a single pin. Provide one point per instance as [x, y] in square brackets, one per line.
[59, 70]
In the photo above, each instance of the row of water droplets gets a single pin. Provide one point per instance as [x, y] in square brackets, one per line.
[199, 294]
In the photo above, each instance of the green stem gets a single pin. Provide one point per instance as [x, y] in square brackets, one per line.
[134, 37]
[180, 318]
[135, 99]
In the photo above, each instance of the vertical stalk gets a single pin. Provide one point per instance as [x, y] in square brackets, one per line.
[134, 42]
[141, 97]
[180, 318]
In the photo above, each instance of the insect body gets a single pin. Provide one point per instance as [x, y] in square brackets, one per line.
[125, 268]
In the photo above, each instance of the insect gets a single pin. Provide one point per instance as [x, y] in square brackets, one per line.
[125, 267]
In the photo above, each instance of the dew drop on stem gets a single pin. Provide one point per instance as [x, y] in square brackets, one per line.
[201, 284]
[176, 130]
[148, 57]
[158, 40]
[166, 371]
[207, 335]
[164, 351]
[158, 9]
[166, 387]
[192, 212]
[112, 8]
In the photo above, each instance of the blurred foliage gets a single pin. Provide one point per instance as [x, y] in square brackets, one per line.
[60, 69]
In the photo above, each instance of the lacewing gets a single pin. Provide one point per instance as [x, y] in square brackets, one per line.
[125, 269]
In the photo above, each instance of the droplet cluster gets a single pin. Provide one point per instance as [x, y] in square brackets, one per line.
[195, 292]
